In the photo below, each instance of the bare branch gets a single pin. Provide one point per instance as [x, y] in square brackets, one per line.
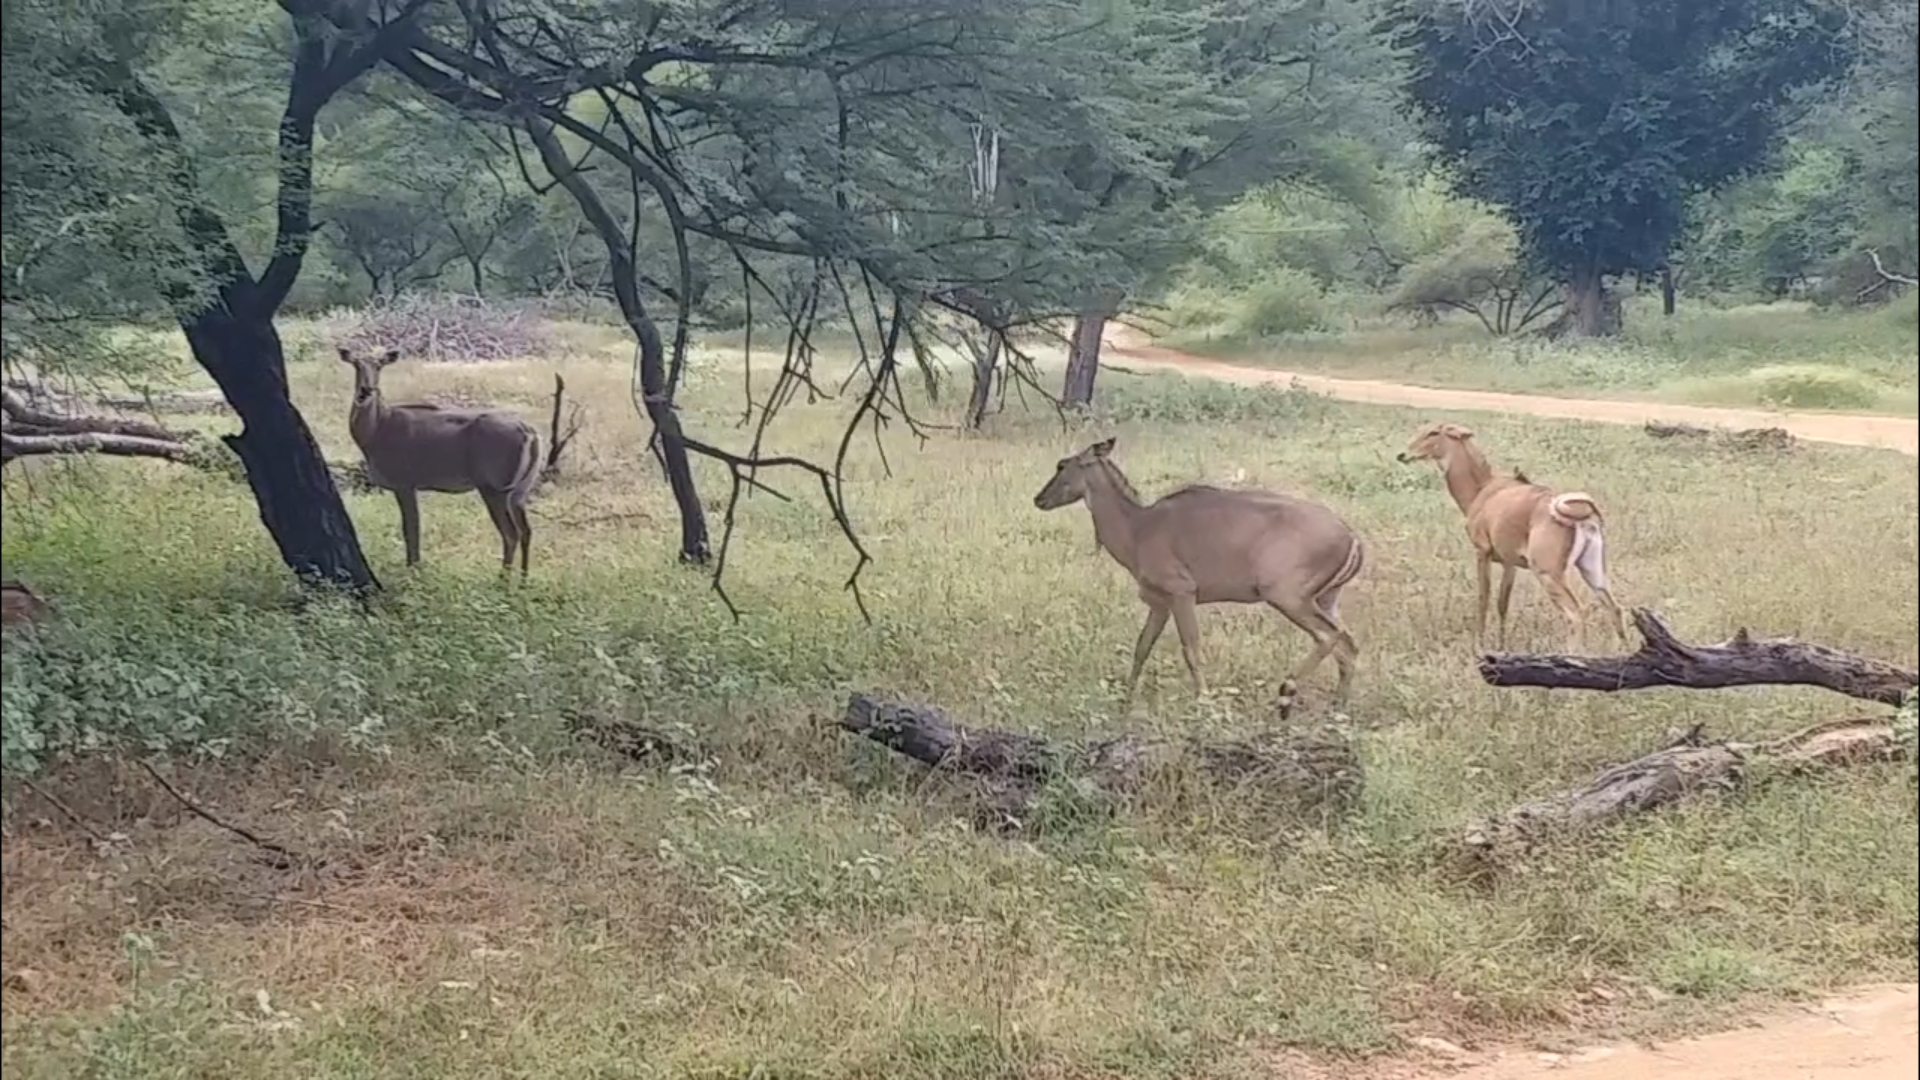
[280, 858]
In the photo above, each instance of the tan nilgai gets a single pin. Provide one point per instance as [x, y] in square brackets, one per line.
[1209, 545]
[1521, 525]
[412, 448]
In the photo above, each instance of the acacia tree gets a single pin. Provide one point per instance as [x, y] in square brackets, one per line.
[201, 274]
[1590, 125]
[803, 143]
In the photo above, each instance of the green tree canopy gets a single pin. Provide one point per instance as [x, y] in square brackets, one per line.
[1591, 123]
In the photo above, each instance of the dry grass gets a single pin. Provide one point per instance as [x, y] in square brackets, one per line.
[500, 902]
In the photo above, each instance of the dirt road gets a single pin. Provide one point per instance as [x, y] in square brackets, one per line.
[1870, 1035]
[1887, 432]
[1866, 1036]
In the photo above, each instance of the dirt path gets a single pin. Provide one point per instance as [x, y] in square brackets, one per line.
[1870, 1035]
[1887, 432]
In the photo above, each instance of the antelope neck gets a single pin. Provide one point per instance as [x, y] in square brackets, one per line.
[365, 416]
[1467, 472]
[1114, 511]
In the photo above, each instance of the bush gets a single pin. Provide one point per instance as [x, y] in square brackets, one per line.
[1813, 386]
[1286, 301]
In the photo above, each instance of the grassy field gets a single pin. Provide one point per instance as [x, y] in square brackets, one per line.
[1784, 355]
[500, 901]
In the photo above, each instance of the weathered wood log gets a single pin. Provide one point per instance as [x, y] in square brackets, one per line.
[1672, 774]
[1301, 776]
[1766, 438]
[1664, 660]
[28, 430]
[20, 605]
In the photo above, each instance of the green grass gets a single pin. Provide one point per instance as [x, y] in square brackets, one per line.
[1784, 355]
[500, 901]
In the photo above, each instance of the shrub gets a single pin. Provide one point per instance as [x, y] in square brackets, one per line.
[1813, 386]
[1285, 301]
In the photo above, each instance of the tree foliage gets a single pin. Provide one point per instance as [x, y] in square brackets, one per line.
[1590, 125]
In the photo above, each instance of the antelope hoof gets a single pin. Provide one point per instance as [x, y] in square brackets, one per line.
[1289, 694]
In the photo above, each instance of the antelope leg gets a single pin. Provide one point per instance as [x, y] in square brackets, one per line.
[1507, 574]
[1569, 606]
[1142, 648]
[525, 528]
[409, 501]
[1186, 622]
[1483, 569]
[1328, 638]
[502, 524]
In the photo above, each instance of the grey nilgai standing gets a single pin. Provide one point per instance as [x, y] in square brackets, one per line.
[421, 447]
[1209, 545]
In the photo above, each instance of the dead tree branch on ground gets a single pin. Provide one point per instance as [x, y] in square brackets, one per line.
[1672, 774]
[1766, 438]
[1305, 778]
[275, 855]
[1665, 661]
[27, 430]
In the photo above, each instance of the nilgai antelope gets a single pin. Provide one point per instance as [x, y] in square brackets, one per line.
[420, 447]
[1521, 525]
[1208, 545]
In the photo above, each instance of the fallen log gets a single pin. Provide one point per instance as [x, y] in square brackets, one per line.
[28, 430]
[1674, 773]
[1765, 438]
[20, 605]
[1664, 660]
[1307, 778]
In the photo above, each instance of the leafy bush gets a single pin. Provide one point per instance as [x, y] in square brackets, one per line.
[1286, 301]
[1813, 386]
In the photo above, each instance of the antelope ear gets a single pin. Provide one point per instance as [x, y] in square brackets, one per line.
[1102, 448]
[346, 355]
[392, 355]
[1456, 431]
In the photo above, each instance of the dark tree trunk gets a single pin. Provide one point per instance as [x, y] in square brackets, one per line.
[673, 443]
[1669, 295]
[299, 504]
[1083, 358]
[478, 272]
[986, 359]
[1592, 310]
[656, 383]
[233, 337]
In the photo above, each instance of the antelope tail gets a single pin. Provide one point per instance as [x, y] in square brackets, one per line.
[1356, 559]
[527, 475]
[1574, 509]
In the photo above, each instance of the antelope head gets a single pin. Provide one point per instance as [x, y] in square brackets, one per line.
[1435, 443]
[1071, 477]
[366, 374]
